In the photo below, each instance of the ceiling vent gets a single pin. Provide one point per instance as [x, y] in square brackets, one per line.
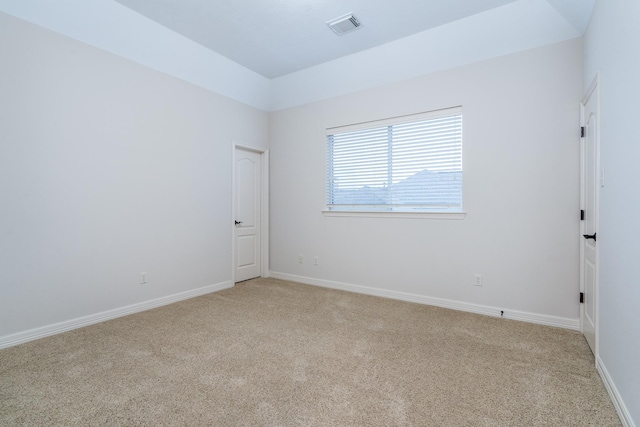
[344, 24]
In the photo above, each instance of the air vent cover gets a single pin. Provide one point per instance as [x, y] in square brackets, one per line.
[344, 24]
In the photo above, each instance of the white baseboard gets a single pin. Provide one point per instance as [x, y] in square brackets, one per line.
[618, 403]
[57, 328]
[542, 319]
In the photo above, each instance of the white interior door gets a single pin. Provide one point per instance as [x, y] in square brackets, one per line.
[590, 183]
[247, 210]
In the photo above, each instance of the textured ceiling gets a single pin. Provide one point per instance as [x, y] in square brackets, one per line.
[277, 37]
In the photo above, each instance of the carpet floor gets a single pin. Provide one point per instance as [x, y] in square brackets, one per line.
[274, 353]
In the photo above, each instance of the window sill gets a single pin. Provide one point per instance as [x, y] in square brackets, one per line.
[413, 215]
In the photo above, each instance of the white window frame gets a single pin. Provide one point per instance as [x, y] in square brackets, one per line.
[383, 212]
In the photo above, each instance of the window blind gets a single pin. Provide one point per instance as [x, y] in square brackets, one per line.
[407, 164]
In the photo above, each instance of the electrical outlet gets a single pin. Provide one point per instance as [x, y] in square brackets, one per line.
[478, 279]
[315, 260]
[301, 259]
[143, 278]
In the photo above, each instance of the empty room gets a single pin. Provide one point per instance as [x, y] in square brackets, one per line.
[319, 212]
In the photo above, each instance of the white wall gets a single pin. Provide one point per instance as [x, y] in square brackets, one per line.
[612, 43]
[516, 26]
[521, 148]
[108, 25]
[107, 169]
[113, 27]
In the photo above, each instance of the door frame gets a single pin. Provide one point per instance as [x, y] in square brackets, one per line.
[593, 89]
[264, 207]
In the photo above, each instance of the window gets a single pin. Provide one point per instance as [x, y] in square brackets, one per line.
[407, 164]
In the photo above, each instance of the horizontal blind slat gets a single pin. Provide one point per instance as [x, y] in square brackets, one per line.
[405, 166]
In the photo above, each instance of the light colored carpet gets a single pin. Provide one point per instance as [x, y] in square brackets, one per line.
[274, 353]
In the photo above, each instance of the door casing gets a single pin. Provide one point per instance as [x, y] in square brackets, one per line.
[592, 91]
[264, 207]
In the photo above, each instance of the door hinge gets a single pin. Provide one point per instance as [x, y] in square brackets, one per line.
[581, 214]
[582, 132]
[581, 297]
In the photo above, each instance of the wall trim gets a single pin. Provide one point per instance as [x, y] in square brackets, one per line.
[68, 325]
[616, 399]
[542, 319]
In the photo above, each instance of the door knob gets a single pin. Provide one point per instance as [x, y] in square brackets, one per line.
[590, 236]
[238, 222]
